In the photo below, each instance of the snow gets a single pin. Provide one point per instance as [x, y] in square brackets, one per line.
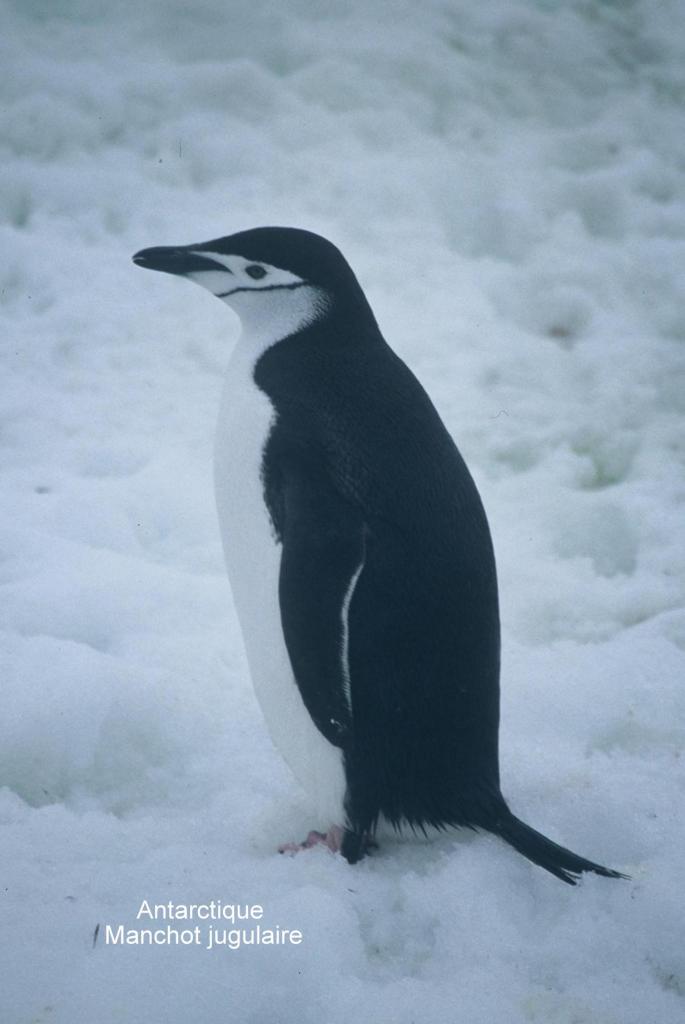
[507, 179]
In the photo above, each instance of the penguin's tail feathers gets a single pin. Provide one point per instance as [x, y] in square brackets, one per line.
[561, 862]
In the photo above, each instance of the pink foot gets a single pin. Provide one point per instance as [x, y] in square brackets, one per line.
[331, 839]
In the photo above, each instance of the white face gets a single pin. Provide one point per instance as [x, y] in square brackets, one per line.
[270, 302]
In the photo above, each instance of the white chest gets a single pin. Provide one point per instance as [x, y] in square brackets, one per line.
[253, 559]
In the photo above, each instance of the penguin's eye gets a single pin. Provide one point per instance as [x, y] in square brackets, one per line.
[255, 271]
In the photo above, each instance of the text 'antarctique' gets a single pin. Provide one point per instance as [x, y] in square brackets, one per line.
[358, 552]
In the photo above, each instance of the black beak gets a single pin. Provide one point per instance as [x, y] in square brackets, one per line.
[175, 259]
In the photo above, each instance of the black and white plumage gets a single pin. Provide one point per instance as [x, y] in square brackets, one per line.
[358, 552]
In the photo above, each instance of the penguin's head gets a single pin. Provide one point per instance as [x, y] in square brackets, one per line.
[267, 274]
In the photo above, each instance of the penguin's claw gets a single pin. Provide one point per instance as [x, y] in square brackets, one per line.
[331, 839]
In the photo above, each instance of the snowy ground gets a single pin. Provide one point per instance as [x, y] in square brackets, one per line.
[508, 180]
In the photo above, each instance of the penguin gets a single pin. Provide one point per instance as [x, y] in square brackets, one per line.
[358, 552]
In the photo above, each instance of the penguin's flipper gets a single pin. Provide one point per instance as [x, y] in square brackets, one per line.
[322, 540]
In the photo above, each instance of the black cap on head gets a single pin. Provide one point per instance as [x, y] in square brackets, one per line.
[304, 253]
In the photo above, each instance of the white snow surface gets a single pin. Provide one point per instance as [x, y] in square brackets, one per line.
[507, 178]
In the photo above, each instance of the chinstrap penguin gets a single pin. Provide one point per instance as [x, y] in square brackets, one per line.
[358, 552]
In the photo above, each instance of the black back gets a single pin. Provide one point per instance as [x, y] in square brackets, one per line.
[356, 432]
